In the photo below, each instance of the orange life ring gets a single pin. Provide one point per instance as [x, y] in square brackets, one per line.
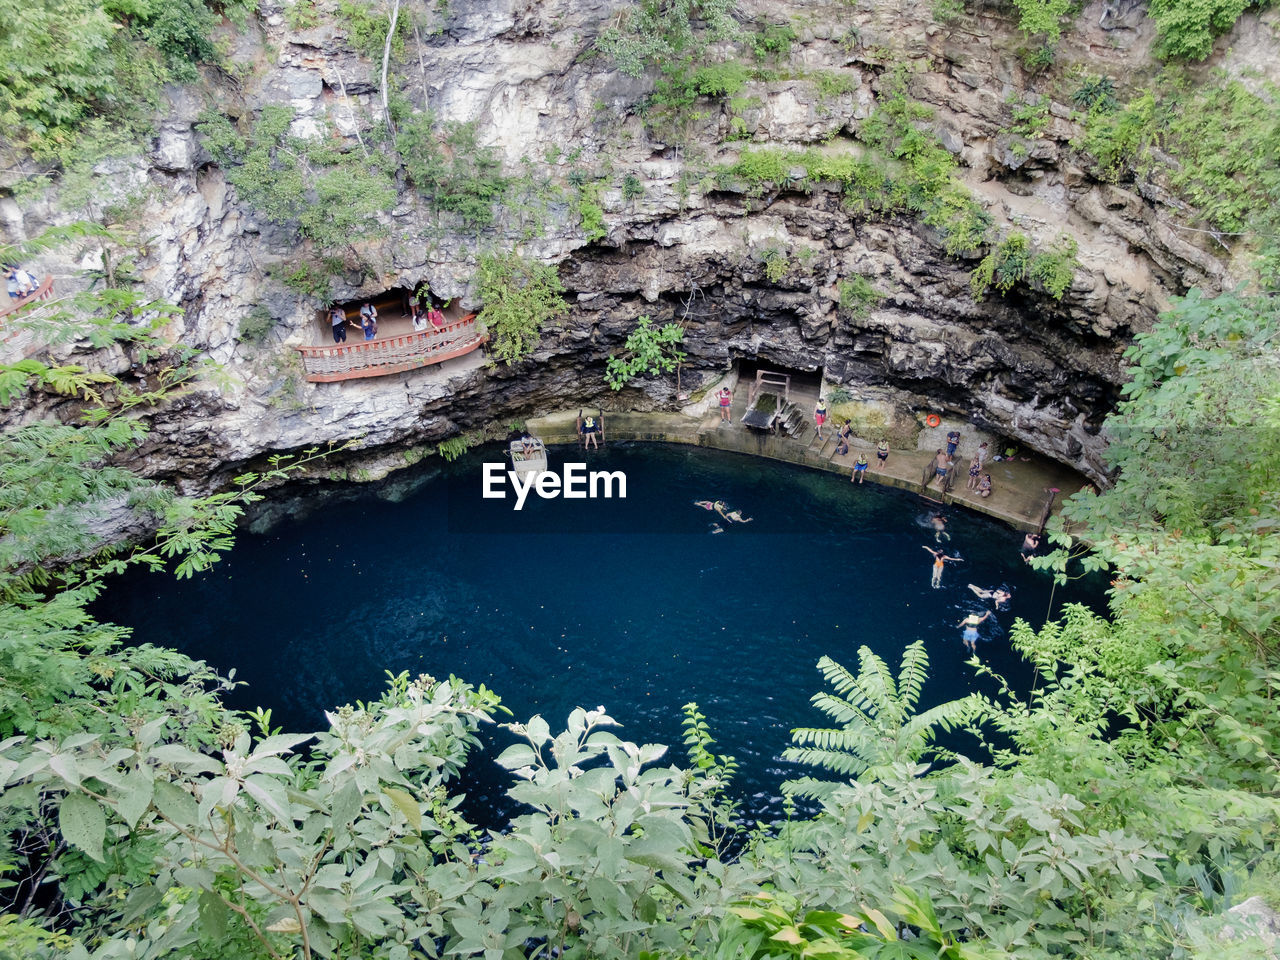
[933, 420]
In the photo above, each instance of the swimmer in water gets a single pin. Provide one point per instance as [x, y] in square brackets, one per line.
[704, 504]
[715, 527]
[997, 594]
[939, 523]
[970, 624]
[939, 559]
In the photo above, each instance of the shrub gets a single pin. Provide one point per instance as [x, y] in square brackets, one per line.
[519, 296]
[857, 297]
[649, 349]
[773, 42]
[1096, 93]
[256, 325]
[632, 188]
[330, 194]
[1187, 28]
[451, 169]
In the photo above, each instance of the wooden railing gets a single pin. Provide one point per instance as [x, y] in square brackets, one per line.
[23, 342]
[377, 358]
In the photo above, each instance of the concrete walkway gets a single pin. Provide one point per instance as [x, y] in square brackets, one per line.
[1019, 489]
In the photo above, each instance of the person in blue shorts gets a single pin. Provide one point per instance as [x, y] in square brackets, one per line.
[953, 441]
[860, 468]
[970, 624]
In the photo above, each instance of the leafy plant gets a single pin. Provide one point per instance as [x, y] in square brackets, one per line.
[649, 349]
[256, 325]
[329, 193]
[520, 296]
[450, 168]
[368, 25]
[632, 188]
[858, 297]
[877, 725]
[454, 447]
[776, 263]
[1096, 93]
[773, 42]
[1187, 28]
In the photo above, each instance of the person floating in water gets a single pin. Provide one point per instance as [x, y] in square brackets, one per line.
[999, 595]
[939, 560]
[939, 523]
[970, 624]
[715, 527]
[733, 516]
[704, 504]
[1030, 546]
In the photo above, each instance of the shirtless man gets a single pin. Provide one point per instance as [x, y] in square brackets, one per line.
[940, 463]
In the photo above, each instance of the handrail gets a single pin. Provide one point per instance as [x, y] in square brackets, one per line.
[371, 358]
[40, 293]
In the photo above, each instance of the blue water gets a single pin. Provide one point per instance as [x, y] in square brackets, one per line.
[635, 605]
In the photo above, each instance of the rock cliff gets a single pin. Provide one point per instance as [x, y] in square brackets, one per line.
[753, 273]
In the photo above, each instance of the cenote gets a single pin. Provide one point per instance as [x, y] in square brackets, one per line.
[634, 604]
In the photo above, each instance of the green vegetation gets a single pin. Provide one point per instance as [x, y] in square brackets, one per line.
[520, 296]
[776, 263]
[63, 61]
[857, 298]
[1223, 140]
[907, 170]
[455, 447]
[1186, 28]
[256, 325]
[649, 349]
[773, 42]
[657, 32]
[450, 168]
[1124, 801]
[1012, 262]
[330, 193]
[367, 26]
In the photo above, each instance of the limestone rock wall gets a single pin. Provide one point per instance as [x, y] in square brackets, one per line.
[1024, 365]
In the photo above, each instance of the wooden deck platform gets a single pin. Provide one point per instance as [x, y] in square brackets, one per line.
[392, 351]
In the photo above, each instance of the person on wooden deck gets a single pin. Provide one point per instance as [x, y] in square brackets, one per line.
[369, 320]
[338, 317]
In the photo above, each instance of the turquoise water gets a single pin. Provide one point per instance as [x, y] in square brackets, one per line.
[634, 604]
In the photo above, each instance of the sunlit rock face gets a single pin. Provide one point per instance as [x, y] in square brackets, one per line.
[693, 247]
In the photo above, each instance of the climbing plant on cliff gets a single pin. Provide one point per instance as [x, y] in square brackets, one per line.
[62, 61]
[326, 190]
[649, 349]
[520, 296]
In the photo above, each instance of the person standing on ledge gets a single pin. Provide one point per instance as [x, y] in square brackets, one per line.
[940, 464]
[953, 441]
[726, 400]
[369, 320]
[882, 453]
[590, 433]
[339, 319]
[820, 415]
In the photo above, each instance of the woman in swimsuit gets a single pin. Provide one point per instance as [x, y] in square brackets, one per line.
[939, 559]
[882, 453]
[820, 415]
[970, 624]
